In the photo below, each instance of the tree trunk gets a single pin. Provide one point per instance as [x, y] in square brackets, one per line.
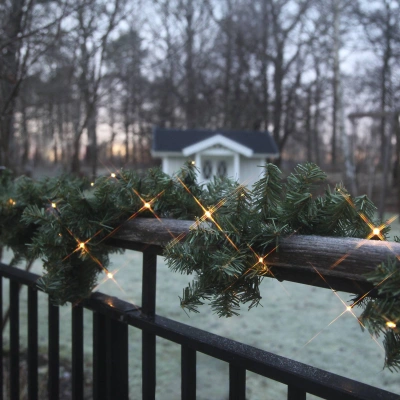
[278, 78]
[317, 114]
[396, 175]
[307, 126]
[75, 163]
[265, 64]
[24, 135]
[92, 135]
[349, 169]
[189, 69]
[9, 82]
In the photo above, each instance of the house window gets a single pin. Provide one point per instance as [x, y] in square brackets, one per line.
[221, 170]
[207, 169]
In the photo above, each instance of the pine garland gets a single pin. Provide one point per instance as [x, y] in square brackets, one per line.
[66, 222]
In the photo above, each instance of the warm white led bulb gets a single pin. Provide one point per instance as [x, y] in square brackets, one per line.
[113, 175]
[207, 214]
[109, 275]
[391, 324]
[376, 231]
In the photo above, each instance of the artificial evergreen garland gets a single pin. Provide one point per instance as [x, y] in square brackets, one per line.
[65, 222]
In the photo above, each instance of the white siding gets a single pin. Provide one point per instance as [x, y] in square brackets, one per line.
[250, 170]
[172, 165]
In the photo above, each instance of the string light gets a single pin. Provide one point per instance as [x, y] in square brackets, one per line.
[207, 214]
[147, 205]
[110, 275]
[113, 175]
[92, 184]
[391, 324]
[193, 162]
[376, 231]
[261, 260]
[54, 205]
[82, 246]
[348, 308]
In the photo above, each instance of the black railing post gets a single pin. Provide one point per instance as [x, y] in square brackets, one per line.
[1, 338]
[54, 352]
[149, 339]
[32, 343]
[117, 368]
[237, 383]
[100, 345]
[14, 340]
[110, 358]
[295, 393]
[188, 373]
[77, 352]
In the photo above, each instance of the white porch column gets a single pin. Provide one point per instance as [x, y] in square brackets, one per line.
[197, 160]
[165, 165]
[236, 166]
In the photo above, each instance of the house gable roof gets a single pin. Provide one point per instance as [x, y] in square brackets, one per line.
[176, 140]
[217, 139]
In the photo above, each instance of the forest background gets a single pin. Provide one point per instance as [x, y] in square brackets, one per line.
[82, 83]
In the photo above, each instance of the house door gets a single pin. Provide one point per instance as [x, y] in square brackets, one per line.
[213, 166]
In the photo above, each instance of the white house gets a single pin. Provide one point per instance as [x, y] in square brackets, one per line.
[236, 154]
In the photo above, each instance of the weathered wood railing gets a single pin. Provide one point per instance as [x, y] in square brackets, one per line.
[301, 259]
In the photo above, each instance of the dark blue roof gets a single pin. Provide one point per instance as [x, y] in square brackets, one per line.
[175, 140]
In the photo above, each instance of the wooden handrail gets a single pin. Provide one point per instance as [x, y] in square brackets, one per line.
[338, 263]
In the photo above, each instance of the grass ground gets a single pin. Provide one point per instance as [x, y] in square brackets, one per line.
[294, 322]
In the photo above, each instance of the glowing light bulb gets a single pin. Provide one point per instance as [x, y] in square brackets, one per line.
[11, 201]
[207, 214]
[376, 231]
[260, 260]
[193, 162]
[391, 324]
[147, 205]
[82, 245]
[348, 308]
[92, 184]
[110, 275]
[54, 205]
[113, 175]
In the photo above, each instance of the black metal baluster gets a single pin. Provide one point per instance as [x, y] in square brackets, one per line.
[77, 352]
[32, 343]
[14, 340]
[237, 383]
[295, 393]
[54, 352]
[100, 345]
[1, 338]
[118, 376]
[149, 339]
[188, 373]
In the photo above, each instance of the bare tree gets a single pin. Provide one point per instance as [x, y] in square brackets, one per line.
[27, 29]
[95, 23]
